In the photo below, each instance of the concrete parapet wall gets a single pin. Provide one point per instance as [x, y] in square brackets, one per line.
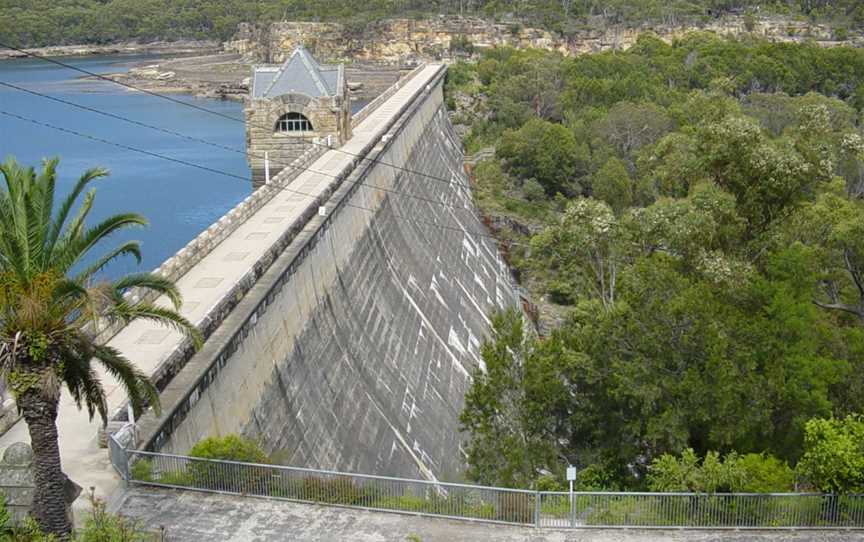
[179, 264]
[354, 350]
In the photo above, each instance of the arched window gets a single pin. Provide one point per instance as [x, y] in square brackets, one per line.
[293, 122]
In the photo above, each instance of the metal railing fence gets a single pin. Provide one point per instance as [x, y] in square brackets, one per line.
[460, 501]
[119, 457]
[492, 504]
[702, 510]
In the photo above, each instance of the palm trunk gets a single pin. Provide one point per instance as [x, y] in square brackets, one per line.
[49, 498]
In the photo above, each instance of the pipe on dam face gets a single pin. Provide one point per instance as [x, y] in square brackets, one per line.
[368, 326]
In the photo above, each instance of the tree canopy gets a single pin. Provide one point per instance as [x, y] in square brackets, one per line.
[700, 280]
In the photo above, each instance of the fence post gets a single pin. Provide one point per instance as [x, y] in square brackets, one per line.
[537, 497]
[119, 457]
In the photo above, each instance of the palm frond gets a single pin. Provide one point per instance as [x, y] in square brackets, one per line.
[139, 388]
[132, 248]
[161, 315]
[149, 281]
[83, 383]
[14, 215]
[39, 201]
[66, 288]
[66, 206]
[47, 181]
[76, 225]
[80, 245]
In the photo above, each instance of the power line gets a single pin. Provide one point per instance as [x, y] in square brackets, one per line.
[121, 83]
[119, 145]
[235, 176]
[202, 109]
[212, 144]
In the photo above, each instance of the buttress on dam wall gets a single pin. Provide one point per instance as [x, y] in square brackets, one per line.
[361, 347]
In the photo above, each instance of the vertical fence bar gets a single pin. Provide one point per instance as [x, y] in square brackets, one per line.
[537, 509]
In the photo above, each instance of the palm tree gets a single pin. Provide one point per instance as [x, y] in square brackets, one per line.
[49, 311]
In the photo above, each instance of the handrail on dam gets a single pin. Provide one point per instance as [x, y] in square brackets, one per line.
[364, 112]
[541, 509]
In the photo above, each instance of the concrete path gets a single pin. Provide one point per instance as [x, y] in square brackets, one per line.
[203, 287]
[192, 517]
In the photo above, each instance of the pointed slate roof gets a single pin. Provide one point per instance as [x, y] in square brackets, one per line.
[300, 73]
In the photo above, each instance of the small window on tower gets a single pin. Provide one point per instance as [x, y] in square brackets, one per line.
[293, 122]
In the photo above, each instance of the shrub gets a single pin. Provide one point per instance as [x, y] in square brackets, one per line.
[596, 477]
[405, 503]
[230, 448]
[765, 474]
[222, 477]
[461, 44]
[689, 472]
[533, 190]
[171, 478]
[5, 518]
[549, 482]
[841, 33]
[750, 21]
[100, 526]
[459, 74]
[833, 459]
[338, 490]
[29, 531]
[142, 470]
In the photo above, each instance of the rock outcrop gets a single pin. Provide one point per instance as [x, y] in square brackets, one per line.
[404, 41]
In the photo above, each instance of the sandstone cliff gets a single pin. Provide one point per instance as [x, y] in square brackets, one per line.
[401, 41]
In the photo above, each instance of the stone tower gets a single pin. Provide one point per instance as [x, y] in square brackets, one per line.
[292, 106]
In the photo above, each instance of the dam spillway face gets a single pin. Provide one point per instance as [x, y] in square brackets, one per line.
[361, 360]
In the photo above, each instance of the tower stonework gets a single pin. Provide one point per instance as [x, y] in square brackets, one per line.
[292, 107]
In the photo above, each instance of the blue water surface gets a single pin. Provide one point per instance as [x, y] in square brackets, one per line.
[179, 201]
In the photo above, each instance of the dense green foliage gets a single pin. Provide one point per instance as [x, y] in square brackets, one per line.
[229, 447]
[98, 526]
[834, 456]
[209, 474]
[705, 259]
[750, 473]
[39, 23]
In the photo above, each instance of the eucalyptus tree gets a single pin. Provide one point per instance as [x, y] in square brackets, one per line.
[52, 301]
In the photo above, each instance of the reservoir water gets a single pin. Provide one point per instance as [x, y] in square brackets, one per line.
[179, 201]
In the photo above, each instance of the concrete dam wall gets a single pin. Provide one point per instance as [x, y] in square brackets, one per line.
[361, 348]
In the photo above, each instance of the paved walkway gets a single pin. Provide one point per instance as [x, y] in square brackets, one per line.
[193, 517]
[202, 288]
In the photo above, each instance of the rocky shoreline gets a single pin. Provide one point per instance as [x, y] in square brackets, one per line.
[127, 48]
[198, 68]
[218, 75]
[226, 76]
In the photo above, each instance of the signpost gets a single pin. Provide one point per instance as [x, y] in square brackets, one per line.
[571, 477]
